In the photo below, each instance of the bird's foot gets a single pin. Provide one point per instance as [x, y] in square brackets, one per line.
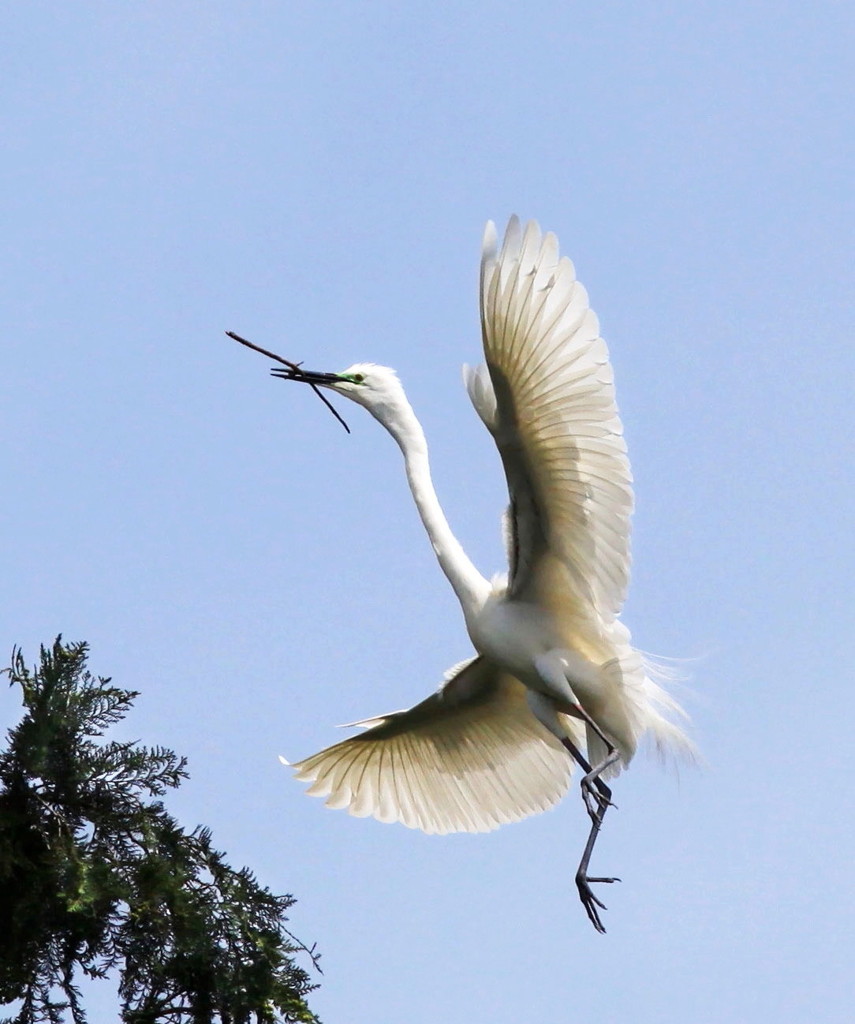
[596, 799]
[589, 901]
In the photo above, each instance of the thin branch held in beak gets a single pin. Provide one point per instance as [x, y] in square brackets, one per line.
[295, 374]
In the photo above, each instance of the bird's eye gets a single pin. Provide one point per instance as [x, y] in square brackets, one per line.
[358, 378]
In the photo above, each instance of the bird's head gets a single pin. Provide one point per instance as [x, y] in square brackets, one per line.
[377, 388]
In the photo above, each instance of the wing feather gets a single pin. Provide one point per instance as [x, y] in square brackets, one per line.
[468, 759]
[554, 418]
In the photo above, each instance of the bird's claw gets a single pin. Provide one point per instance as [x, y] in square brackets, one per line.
[596, 802]
[590, 902]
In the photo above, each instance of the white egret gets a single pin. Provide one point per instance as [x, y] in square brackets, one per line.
[555, 671]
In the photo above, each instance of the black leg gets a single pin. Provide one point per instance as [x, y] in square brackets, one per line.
[598, 798]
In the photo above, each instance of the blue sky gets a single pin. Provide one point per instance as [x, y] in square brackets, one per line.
[316, 177]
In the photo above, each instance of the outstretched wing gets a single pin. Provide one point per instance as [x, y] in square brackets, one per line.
[468, 759]
[548, 399]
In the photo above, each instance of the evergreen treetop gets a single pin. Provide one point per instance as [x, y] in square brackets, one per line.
[97, 879]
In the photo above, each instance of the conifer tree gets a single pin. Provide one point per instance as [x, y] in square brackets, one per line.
[98, 880]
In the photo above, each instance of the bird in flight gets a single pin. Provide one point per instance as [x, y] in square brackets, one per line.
[555, 680]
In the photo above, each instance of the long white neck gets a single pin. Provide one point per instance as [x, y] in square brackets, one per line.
[470, 586]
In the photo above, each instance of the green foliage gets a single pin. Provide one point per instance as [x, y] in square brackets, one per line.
[96, 877]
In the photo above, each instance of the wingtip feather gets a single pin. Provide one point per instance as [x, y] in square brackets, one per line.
[468, 759]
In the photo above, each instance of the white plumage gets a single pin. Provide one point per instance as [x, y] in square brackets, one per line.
[555, 670]
[468, 759]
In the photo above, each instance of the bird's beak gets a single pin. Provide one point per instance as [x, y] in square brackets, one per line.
[307, 376]
[315, 381]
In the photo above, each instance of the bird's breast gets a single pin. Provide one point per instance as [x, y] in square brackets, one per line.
[512, 634]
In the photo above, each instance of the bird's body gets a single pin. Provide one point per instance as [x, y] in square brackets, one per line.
[555, 669]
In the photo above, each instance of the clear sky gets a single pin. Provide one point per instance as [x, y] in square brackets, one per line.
[316, 176]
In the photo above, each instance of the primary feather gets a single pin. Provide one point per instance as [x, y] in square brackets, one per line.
[468, 759]
[553, 415]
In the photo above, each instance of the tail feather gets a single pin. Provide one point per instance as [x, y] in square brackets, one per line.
[651, 712]
[660, 716]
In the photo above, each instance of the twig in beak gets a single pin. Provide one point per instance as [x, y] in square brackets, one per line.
[295, 370]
